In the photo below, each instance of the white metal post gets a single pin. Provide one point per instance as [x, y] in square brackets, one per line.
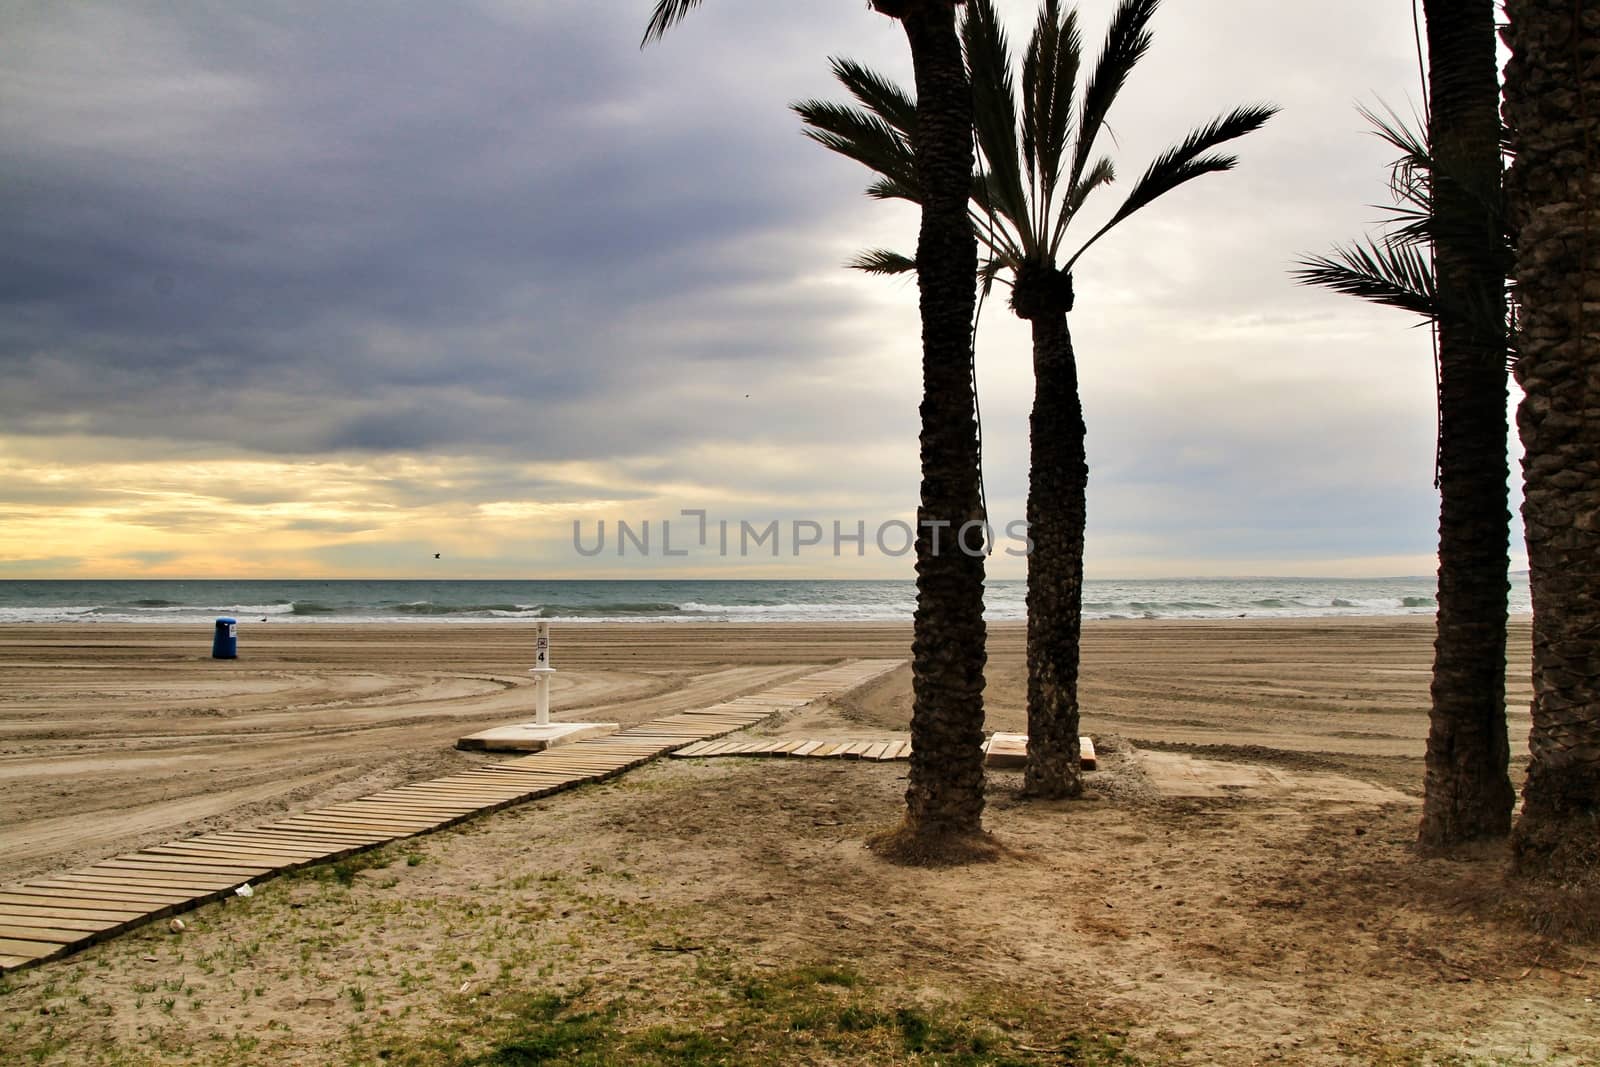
[541, 674]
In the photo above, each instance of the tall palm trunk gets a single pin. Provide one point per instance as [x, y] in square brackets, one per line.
[944, 799]
[1058, 480]
[1553, 105]
[1468, 792]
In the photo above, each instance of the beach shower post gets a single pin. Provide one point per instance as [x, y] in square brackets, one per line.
[541, 733]
[541, 672]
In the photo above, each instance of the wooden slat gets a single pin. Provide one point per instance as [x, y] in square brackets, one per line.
[76, 880]
[188, 886]
[54, 893]
[340, 814]
[394, 810]
[435, 809]
[46, 934]
[376, 830]
[155, 869]
[27, 950]
[517, 778]
[81, 910]
[223, 849]
[488, 786]
[69, 918]
[174, 881]
[587, 766]
[277, 855]
[491, 783]
[301, 836]
[352, 838]
[210, 864]
[291, 843]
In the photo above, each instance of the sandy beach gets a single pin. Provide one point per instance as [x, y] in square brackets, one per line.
[117, 736]
[1291, 925]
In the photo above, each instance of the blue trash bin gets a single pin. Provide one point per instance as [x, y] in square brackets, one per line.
[225, 643]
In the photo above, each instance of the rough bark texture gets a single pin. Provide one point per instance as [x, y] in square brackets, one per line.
[944, 800]
[1058, 478]
[1468, 794]
[1552, 104]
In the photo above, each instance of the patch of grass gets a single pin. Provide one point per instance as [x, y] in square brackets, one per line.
[343, 872]
[822, 974]
[816, 1011]
[552, 1034]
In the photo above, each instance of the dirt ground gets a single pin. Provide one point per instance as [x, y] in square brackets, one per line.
[1261, 905]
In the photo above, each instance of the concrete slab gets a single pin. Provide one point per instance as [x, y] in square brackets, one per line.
[531, 737]
[1010, 751]
[1175, 774]
[1006, 751]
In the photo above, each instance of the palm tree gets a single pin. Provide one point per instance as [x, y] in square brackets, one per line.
[1031, 190]
[944, 797]
[1552, 94]
[1450, 184]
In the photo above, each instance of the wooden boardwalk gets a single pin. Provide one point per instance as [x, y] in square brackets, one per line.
[791, 747]
[1001, 751]
[53, 915]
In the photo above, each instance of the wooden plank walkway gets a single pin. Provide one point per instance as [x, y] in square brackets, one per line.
[789, 747]
[1000, 751]
[53, 915]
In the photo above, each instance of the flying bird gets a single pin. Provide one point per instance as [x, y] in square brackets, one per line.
[436, 555]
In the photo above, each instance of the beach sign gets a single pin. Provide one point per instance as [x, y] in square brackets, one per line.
[541, 672]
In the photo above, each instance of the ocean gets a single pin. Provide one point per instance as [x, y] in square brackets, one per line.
[669, 601]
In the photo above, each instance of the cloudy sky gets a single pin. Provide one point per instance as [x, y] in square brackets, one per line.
[321, 289]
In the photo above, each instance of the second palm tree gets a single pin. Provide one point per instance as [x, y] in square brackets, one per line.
[1036, 177]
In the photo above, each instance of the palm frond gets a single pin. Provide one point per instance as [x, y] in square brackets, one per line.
[668, 13]
[1412, 178]
[987, 273]
[861, 136]
[1049, 79]
[1408, 175]
[1127, 41]
[882, 261]
[1392, 275]
[994, 113]
[990, 222]
[891, 189]
[879, 95]
[1397, 269]
[1101, 173]
[1185, 162]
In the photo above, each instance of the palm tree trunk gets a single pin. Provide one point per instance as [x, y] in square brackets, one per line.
[1552, 104]
[1057, 482]
[944, 798]
[1468, 794]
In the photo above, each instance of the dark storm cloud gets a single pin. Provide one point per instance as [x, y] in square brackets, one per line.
[324, 228]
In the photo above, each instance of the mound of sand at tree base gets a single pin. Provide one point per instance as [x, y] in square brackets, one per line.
[1253, 900]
